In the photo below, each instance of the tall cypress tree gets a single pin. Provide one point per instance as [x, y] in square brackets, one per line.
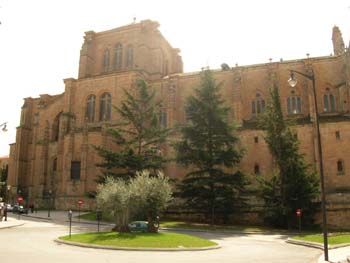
[208, 147]
[139, 135]
[294, 185]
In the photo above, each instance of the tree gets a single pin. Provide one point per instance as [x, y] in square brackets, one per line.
[139, 135]
[294, 185]
[209, 148]
[114, 197]
[123, 199]
[152, 195]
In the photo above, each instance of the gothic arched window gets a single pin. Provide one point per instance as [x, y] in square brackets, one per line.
[163, 119]
[258, 104]
[256, 169]
[105, 107]
[328, 103]
[118, 56]
[90, 108]
[294, 104]
[105, 62]
[129, 57]
[340, 167]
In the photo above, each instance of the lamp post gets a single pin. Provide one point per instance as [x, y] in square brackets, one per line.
[3, 125]
[8, 188]
[293, 82]
[8, 193]
[49, 203]
[19, 201]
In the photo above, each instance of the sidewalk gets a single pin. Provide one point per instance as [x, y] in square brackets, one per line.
[11, 222]
[61, 216]
[337, 255]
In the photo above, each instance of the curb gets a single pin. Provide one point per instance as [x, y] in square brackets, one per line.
[134, 249]
[38, 217]
[314, 244]
[226, 231]
[11, 226]
[67, 221]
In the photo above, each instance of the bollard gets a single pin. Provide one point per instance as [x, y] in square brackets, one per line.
[98, 217]
[70, 215]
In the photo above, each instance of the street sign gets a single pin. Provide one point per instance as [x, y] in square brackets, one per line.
[80, 202]
[20, 199]
[70, 214]
[298, 212]
[98, 215]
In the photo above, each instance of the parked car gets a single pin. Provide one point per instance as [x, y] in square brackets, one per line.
[138, 226]
[19, 209]
[9, 207]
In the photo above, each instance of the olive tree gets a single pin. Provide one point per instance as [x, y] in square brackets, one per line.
[151, 195]
[122, 199]
[114, 197]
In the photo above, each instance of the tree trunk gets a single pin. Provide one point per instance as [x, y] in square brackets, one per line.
[151, 226]
[212, 215]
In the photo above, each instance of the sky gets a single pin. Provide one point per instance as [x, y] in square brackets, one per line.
[40, 40]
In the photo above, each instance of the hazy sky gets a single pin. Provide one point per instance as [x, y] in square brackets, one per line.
[40, 40]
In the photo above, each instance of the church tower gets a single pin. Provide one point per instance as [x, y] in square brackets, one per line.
[338, 43]
[138, 47]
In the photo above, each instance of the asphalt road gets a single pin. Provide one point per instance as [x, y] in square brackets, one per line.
[33, 242]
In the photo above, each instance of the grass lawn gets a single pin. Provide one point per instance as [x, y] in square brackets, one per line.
[192, 225]
[92, 216]
[333, 239]
[147, 240]
[181, 224]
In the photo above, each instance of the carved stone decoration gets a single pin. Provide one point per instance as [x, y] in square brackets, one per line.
[36, 118]
[272, 76]
[87, 40]
[236, 84]
[25, 104]
[338, 42]
[237, 79]
[171, 95]
[236, 100]
[68, 119]
[272, 73]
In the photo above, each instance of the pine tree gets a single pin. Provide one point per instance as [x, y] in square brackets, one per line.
[139, 135]
[208, 148]
[294, 185]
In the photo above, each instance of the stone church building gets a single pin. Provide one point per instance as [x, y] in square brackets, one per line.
[53, 158]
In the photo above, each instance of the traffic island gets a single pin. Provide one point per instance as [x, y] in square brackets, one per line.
[139, 241]
[335, 240]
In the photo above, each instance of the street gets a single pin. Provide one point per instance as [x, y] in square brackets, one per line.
[34, 242]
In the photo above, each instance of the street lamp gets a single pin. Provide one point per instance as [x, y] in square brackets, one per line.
[293, 82]
[8, 188]
[8, 193]
[4, 126]
[49, 202]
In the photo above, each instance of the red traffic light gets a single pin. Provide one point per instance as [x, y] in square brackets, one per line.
[20, 199]
[298, 212]
[80, 202]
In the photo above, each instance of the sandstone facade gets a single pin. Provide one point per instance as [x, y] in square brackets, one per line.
[53, 144]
